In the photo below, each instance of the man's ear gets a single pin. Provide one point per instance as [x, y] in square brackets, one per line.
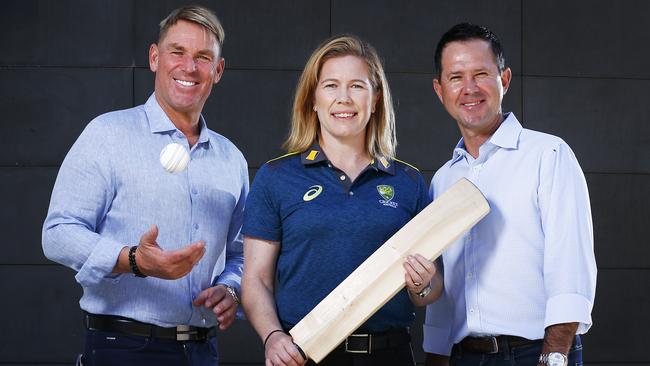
[506, 77]
[438, 89]
[221, 66]
[153, 57]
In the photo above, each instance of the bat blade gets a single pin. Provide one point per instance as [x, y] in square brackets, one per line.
[381, 276]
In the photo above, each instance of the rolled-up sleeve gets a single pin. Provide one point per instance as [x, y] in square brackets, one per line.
[569, 261]
[232, 273]
[81, 196]
[437, 327]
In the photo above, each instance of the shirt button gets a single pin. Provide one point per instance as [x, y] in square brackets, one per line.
[342, 177]
[470, 274]
[179, 135]
[329, 165]
[194, 191]
[196, 226]
[471, 311]
[351, 193]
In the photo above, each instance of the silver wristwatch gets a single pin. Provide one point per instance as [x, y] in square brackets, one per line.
[233, 293]
[553, 359]
[425, 291]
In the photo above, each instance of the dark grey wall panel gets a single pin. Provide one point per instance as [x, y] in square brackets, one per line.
[604, 120]
[66, 33]
[257, 33]
[620, 318]
[45, 110]
[41, 308]
[240, 344]
[405, 33]
[251, 108]
[586, 38]
[620, 211]
[426, 134]
[27, 191]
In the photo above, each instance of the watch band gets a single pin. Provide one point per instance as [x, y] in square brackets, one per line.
[232, 293]
[553, 359]
[425, 291]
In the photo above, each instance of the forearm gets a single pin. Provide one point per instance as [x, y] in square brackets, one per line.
[259, 306]
[559, 337]
[122, 264]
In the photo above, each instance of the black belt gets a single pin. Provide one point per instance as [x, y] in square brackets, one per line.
[494, 344]
[368, 342]
[117, 324]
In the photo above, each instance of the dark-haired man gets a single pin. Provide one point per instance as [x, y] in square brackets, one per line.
[520, 285]
[156, 303]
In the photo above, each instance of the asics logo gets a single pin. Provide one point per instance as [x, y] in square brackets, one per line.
[312, 193]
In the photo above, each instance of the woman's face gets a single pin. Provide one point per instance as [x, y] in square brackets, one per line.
[344, 99]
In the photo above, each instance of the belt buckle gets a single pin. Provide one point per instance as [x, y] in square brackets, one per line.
[184, 333]
[495, 345]
[367, 335]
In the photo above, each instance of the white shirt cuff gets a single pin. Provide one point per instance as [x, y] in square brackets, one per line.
[569, 308]
[100, 263]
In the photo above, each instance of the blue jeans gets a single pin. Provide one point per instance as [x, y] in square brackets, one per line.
[517, 356]
[113, 349]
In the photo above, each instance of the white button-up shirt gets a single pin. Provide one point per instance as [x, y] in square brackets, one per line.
[530, 262]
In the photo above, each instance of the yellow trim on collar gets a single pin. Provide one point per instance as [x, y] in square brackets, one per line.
[284, 156]
[403, 162]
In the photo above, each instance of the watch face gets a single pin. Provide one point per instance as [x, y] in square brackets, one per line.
[556, 359]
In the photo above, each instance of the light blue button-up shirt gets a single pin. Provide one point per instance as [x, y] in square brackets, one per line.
[111, 188]
[530, 262]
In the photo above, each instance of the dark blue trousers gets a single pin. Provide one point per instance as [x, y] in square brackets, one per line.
[517, 356]
[113, 349]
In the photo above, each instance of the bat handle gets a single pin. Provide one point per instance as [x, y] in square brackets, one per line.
[302, 353]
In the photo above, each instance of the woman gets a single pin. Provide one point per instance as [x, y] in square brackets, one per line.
[317, 213]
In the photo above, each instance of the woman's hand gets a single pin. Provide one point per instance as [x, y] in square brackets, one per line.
[281, 351]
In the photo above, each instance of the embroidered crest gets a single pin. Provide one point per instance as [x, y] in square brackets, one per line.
[387, 193]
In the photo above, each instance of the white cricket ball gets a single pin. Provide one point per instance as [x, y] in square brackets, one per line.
[174, 158]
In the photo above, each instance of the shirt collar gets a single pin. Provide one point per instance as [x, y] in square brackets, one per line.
[159, 122]
[505, 137]
[315, 155]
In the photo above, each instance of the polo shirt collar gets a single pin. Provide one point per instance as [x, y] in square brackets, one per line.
[314, 154]
[159, 122]
[505, 137]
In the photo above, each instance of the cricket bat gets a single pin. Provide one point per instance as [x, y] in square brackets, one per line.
[381, 276]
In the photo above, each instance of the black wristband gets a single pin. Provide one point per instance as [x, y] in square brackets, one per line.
[269, 336]
[134, 266]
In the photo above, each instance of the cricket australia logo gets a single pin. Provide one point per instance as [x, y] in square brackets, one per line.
[387, 193]
[312, 193]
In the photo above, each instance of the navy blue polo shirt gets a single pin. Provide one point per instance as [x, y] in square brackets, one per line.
[327, 226]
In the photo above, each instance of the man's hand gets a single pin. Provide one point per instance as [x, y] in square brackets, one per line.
[280, 351]
[153, 261]
[222, 304]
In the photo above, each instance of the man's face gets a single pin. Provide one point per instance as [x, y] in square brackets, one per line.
[187, 62]
[471, 87]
